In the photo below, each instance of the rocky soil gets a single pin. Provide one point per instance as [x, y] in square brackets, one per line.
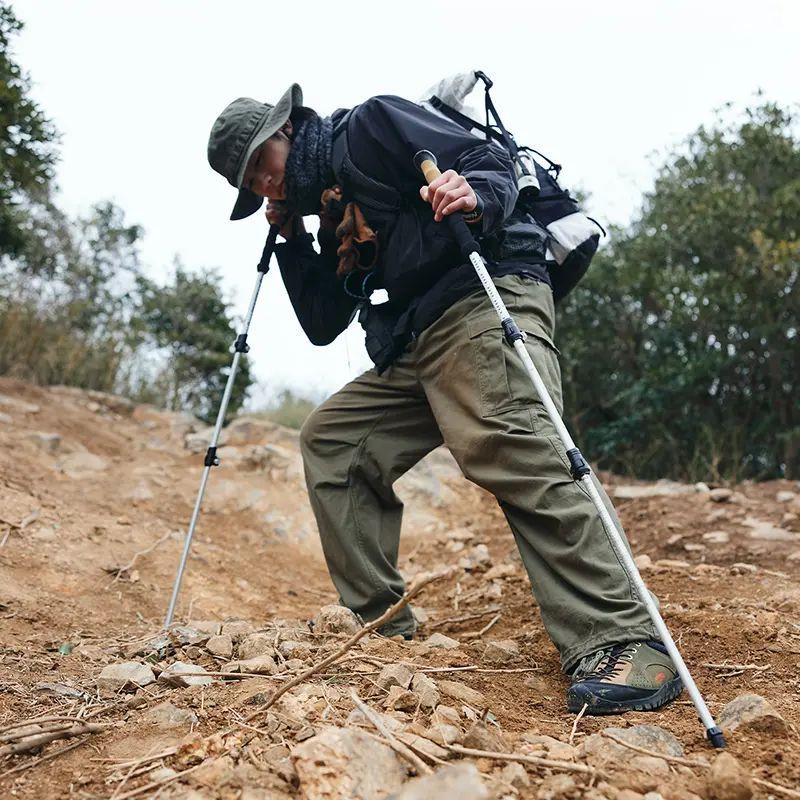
[266, 689]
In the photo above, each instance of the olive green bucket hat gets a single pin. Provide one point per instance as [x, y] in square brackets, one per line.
[238, 132]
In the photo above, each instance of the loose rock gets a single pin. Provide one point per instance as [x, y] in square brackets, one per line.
[425, 688]
[728, 780]
[720, 495]
[237, 629]
[82, 465]
[126, 676]
[502, 651]
[339, 764]
[48, 442]
[256, 644]
[650, 737]
[752, 712]
[336, 619]
[394, 675]
[221, 646]
[462, 693]
[457, 780]
[717, 537]
[260, 665]
[401, 699]
[166, 715]
[486, 737]
[442, 641]
[175, 675]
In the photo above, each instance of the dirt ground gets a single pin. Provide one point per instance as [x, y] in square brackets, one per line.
[87, 482]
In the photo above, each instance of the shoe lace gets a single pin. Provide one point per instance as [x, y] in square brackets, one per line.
[605, 663]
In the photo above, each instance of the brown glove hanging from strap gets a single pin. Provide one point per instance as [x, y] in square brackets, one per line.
[358, 247]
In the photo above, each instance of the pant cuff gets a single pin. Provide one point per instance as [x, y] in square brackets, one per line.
[572, 655]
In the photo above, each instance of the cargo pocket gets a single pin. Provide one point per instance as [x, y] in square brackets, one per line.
[503, 382]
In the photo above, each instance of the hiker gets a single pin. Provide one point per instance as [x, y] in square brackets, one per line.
[443, 371]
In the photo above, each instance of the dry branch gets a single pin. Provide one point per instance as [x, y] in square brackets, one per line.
[419, 765]
[356, 637]
[36, 741]
[563, 766]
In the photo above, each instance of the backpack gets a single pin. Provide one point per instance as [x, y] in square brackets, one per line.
[573, 237]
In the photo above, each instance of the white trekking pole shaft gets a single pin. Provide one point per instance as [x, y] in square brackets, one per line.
[581, 473]
[211, 459]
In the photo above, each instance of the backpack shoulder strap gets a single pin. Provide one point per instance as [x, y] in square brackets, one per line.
[356, 184]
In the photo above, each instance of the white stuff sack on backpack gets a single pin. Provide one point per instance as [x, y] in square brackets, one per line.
[573, 237]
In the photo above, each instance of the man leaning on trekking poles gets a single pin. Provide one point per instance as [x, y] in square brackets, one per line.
[443, 371]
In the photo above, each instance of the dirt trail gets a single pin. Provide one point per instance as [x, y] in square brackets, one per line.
[87, 481]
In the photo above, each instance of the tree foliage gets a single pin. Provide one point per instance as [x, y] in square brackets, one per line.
[27, 144]
[681, 346]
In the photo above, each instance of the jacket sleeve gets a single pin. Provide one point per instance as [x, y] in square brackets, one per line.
[322, 306]
[386, 131]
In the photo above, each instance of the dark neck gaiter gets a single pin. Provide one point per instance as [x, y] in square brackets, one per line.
[308, 167]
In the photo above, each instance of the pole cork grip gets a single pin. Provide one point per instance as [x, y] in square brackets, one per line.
[426, 162]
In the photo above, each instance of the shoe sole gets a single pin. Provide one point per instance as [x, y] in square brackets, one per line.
[597, 706]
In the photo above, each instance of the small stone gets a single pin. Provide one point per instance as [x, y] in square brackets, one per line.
[754, 713]
[743, 568]
[48, 442]
[500, 572]
[14, 404]
[649, 737]
[400, 699]
[728, 780]
[237, 629]
[428, 747]
[702, 488]
[766, 531]
[394, 675]
[785, 497]
[673, 563]
[347, 764]
[292, 649]
[643, 562]
[501, 651]
[254, 645]
[717, 537]
[477, 558]
[454, 780]
[166, 715]
[649, 764]
[126, 676]
[558, 787]
[447, 714]
[515, 775]
[426, 690]
[720, 495]
[336, 619]
[221, 646]
[442, 733]
[141, 492]
[82, 465]
[462, 693]
[441, 641]
[486, 737]
[543, 745]
[176, 675]
[258, 665]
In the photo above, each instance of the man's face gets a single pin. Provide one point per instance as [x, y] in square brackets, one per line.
[266, 168]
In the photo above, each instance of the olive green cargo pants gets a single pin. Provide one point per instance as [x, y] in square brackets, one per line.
[460, 383]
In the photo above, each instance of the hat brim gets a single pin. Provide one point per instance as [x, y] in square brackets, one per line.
[247, 203]
[273, 121]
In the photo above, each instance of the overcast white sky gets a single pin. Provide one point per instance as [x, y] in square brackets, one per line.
[135, 87]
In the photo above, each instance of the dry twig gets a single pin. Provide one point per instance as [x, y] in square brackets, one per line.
[34, 741]
[419, 765]
[374, 625]
[687, 762]
[563, 766]
[118, 571]
[575, 723]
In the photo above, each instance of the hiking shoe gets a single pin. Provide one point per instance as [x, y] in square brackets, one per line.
[635, 676]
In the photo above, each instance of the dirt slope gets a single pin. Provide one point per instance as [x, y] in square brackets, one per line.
[88, 481]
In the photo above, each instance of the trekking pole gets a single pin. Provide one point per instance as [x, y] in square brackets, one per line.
[211, 459]
[426, 162]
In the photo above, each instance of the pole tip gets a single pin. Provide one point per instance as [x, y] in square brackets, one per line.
[715, 737]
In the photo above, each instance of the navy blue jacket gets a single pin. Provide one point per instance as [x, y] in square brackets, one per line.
[418, 265]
